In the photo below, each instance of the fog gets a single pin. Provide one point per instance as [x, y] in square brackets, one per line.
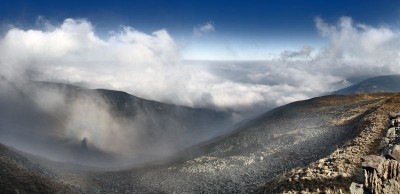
[52, 122]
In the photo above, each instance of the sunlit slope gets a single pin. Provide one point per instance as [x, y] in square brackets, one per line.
[286, 137]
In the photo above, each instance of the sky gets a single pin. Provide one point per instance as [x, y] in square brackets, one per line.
[240, 56]
[237, 30]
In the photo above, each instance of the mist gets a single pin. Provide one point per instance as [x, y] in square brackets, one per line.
[100, 127]
[53, 121]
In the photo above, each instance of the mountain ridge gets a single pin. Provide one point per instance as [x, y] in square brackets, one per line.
[385, 83]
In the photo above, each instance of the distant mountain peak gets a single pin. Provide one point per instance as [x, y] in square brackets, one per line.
[386, 83]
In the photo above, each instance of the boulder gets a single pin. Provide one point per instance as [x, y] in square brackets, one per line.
[394, 153]
[356, 188]
[372, 161]
[391, 133]
[391, 187]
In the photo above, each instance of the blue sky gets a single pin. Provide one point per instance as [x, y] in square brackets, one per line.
[250, 29]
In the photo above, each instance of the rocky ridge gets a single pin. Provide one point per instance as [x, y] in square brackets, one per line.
[336, 172]
[381, 173]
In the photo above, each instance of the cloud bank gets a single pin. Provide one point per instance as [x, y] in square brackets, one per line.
[151, 66]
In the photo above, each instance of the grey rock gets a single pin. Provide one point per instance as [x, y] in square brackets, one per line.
[356, 188]
[391, 133]
[384, 142]
[372, 161]
[395, 153]
[391, 187]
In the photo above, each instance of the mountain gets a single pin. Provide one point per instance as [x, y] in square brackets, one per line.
[256, 151]
[388, 83]
[357, 79]
[100, 127]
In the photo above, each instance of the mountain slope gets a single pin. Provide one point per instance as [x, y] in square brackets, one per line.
[335, 172]
[119, 129]
[289, 136]
[19, 175]
[388, 83]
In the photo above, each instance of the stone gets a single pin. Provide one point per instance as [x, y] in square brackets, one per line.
[396, 141]
[395, 122]
[394, 153]
[394, 115]
[384, 142]
[372, 161]
[372, 183]
[391, 133]
[391, 186]
[383, 180]
[356, 188]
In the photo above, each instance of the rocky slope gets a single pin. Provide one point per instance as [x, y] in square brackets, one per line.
[336, 172]
[312, 146]
[287, 137]
[20, 175]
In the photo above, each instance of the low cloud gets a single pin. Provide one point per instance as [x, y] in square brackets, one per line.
[202, 29]
[357, 49]
[151, 66]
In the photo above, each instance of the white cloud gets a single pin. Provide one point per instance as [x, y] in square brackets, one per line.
[202, 29]
[357, 49]
[150, 65]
